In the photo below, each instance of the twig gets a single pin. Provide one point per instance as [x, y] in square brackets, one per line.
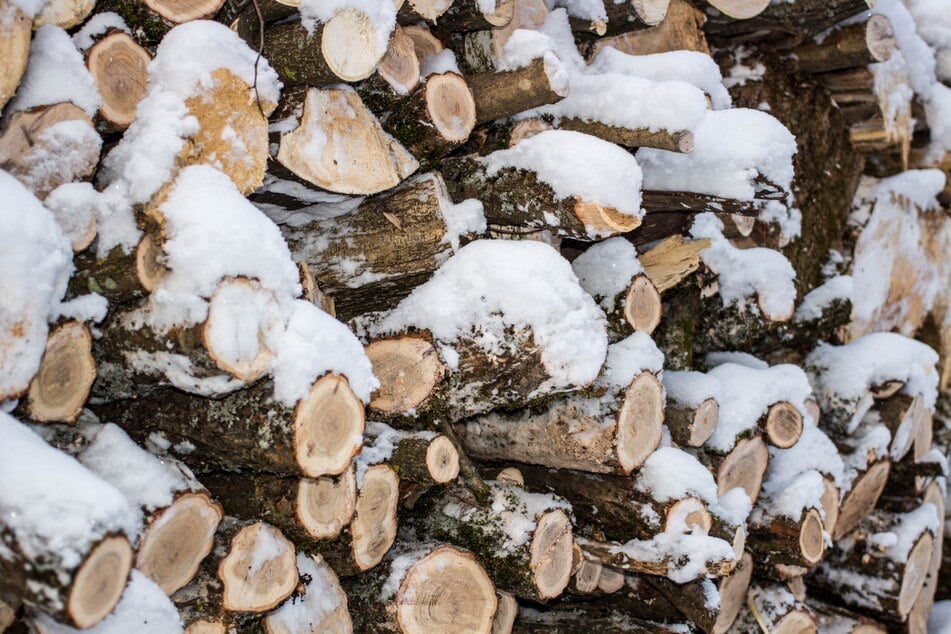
[257, 95]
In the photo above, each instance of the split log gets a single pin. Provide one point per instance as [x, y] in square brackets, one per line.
[515, 197]
[902, 415]
[342, 49]
[317, 606]
[396, 240]
[866, 456]
[435, 119]
[535, 563]
[468, 15]
[304, 509]
[783, 25]
[339, 146]
[672, 260]
[776, 539]
[66, 534]
[918, 617]
[120, 277]
[49, 146]
[180, 516]
[65, 377]
[772, 608]
[396, 76]
[882, 578]
[16, 29]
[681, 29]
[614, 508]
[424, 589]
[498, 95]
[743, 466]
[613, 431]
[119, 66]
[248, 428]
[425, 44]
[855, 45]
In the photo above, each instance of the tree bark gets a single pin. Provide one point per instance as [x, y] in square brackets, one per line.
[504, 94]
[785, 26]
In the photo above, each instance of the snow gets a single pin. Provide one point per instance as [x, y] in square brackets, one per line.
[143, 609]
[790, 498]
[522, 47]
[442, 62]
[692, 67]
[940, 620]
[237, 315]
[813, 451]
[919, 187]
[55, 73]
[269, 544]
[731, 149]
[147, 481]
[97, 26]
[733, 507]
[933, 23]
[382, 16]
[686, 555]
[671, 474]
[62, 152]
[847, 372]
[462, 219]
[72, 205]
[399, 567]
[36, 261]
[29, 7]
[584, 9]
[838, 288]
[92, 307]
[490, 286]
[740, 73]
[743, 273]
[713, 359]
[58, 507]
[910, 527]
[690, 389]
[746, 395]
[630, 357]
[321, 596]
[180, 372]
[576, 165]
[606, 269]
[868, 444]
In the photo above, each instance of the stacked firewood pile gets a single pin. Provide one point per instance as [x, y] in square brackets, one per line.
[473, 315]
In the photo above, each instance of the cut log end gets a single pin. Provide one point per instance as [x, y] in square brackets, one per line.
[100, 582]
[429, 10]
[328, 427]
[148, 263]
[174, 544]
[505, 614]
[915, 573]
[65, 376]
[740, 9]
[858, 502]
[688, 514]
[552, 554]
[880, 38]
[445, 592]
[640, 421]
[14, 48]
[744, 467]
[611, 580]
[830, 505]
[511, 474]
[783, 425]
[796, 622]
[587, 577]
[811, 542]
[260, 571]
[887, 389]
[651, 12]
[424, 42]
[450, 106]
[249, 361]
[442, 460]
[348, 44]
[400, 66]
[598, 219]
[325, 505]
[119, 66]
[408, 369]
[180, 11]
[503, 13]
[374, 522]
[733, 590]
[206, 627]
[704, 422]
[642, 305]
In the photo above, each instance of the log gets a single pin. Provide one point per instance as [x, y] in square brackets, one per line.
[65, 14]
[869, 474]
[66, 535]
[624, 17]
[743, 466]
[435, 119]
[415, 11]
[397, 241]
[467, 15]
[921, 610]
[739, 9]
[658, 563]
[901, 414]
[601, 619]
[119, 66]
[424, 589]
[482, 51]
[690, 202]
[425, 44]
[180, 516]
[774, 609]
[423, 459]
[120, 277]
[317, 605]
[784, 25]
[336, 124]
[247, 428]
[64, 379]
[502, 94]
[535, 564]
[776, 539]
[16, 29]
[396, 76]
[831, 618]
[855, 45]
[613, 431]
[614, 508]
[690, 424]
[49, 146]
[505, 614]
[887, 580]
[672, 260]
[681, 29]
[515, 197]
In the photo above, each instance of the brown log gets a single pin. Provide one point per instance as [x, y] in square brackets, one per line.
[902, 415]
[740, 9]
[537, 568]
[613, 555]
[623, 17]
[424, 459]
[434, 120]
[481, 51]
[506, 93]
[336, 124]
[64, 379]
[415, 11]
[317, 437]
[780, 540]
[855, 45]
[609, 433]
[120, 277]
[119, 66]
[681, 29]
[16, 28]
[424, 589]
[918, 617]
[505, 614]
[691, 426]
[784, 25]
[743, 466]
[65, 14]
[425, 44]
[601, 618]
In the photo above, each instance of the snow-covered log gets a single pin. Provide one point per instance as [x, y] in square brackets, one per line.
[396, 76]
[773, 608]
[473, 15]
[620, 17]
[692, 409]
[524, 540]
[680, 30]
[831, 618]
[742, 465]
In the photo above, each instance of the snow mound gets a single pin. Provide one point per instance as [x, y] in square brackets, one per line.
[606, 269]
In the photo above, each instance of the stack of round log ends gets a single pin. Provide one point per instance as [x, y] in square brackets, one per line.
[475, 316]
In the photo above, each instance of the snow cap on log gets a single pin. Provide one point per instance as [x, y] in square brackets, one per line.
[55, 74]
[606, 269]
[491, 285]
[377, 16]
[97, 26]
[733, 151]
[35, 265]
[672, 474]
[318, 605]
[693, 67]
